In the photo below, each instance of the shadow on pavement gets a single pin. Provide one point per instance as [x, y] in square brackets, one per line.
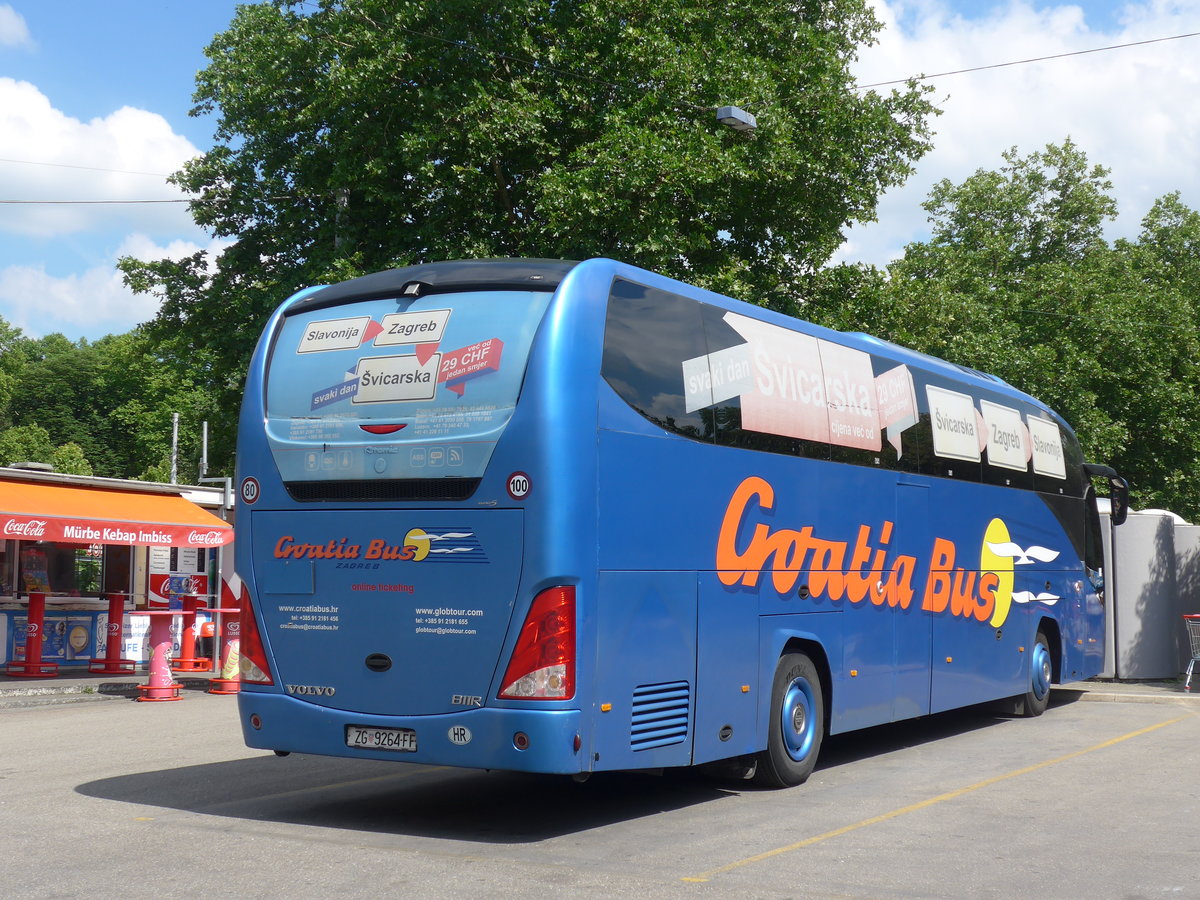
[397, 798]
[854, 746]
[471, 805]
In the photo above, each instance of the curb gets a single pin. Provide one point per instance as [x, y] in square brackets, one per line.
[8, 700]
[1169, 692]
[1114, 697]
[49, 690]
[76, 688]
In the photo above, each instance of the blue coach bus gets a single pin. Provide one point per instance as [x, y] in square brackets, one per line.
[572, 517]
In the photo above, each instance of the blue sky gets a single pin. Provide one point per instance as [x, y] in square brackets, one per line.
[105, 85]
[95, 57]
[88, 86]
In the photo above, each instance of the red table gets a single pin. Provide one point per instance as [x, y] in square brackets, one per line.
[187, 662]
[111, 663]
[32, 666]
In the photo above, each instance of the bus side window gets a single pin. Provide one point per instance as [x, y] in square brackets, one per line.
[1075, 483]
[648, 335]
[931, 463]
[1006, 458]
[727, 412]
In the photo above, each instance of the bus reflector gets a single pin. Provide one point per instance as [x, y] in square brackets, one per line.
[542, 666]
[252, 665]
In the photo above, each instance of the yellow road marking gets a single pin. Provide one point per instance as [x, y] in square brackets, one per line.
[924, 804]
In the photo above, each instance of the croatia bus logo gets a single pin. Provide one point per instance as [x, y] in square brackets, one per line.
[750, 549]
[435, 545]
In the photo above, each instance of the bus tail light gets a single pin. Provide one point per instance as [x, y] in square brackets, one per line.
[542, 666]
[252, 664]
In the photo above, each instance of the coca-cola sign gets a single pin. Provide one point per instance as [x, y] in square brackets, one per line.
[27, 528]
[206, 538]
[183, 585]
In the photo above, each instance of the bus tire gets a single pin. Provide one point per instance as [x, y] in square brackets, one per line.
[1041, 673]
[796, 726]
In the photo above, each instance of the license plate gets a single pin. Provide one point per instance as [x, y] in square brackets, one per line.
[403, 740]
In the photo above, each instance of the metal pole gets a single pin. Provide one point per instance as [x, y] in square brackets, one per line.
[174, 448]
[203, 450]
[218, 590]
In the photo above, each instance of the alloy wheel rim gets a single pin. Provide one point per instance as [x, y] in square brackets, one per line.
[796, 719]
[1041, 671]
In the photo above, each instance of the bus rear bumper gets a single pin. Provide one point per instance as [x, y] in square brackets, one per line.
[475, 739]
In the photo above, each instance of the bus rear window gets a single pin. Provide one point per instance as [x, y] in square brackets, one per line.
[398, 388]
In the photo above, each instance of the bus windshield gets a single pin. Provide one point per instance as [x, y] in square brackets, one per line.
[398, 387]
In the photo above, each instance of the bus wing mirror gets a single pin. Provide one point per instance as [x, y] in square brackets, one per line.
[1118, 491]
[1118, 499]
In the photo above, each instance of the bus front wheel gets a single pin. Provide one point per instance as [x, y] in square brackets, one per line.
[797, 724]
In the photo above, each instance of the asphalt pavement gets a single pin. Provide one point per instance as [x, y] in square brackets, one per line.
[106, 798]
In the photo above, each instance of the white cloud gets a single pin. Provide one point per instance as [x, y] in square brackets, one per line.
[64, 160]
[87, 304]
[141, 247]
[13, 30]
[1132, 110]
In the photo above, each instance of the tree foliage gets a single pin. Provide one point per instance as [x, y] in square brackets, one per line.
[100, 408]
[1018, 280]
[10, 361]
[70, 460]
[25, 443]
[358, 135]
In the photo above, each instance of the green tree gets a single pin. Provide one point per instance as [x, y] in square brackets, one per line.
[112, 399]
[31, 443]
[144, 391]
[1049, 206]
[1171, 238]
[56, 390]
[11, 359]
[357, 136]
[69, 459]
[159, 471]
[1017, 280]
[25, 443]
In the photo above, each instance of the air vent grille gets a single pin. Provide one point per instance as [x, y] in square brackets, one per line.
[661, 715]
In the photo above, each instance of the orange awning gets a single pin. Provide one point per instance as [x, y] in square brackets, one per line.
[48, 512]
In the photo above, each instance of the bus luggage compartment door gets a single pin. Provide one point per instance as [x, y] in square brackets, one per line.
[645, 669]
[405, 612]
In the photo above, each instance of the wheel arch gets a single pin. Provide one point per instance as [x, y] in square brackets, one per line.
[815, 651]
[1049, 627]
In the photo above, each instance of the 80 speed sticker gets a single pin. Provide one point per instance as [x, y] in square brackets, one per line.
[250, 489]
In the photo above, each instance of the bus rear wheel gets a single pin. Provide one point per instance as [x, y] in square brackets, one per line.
[797, 724]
